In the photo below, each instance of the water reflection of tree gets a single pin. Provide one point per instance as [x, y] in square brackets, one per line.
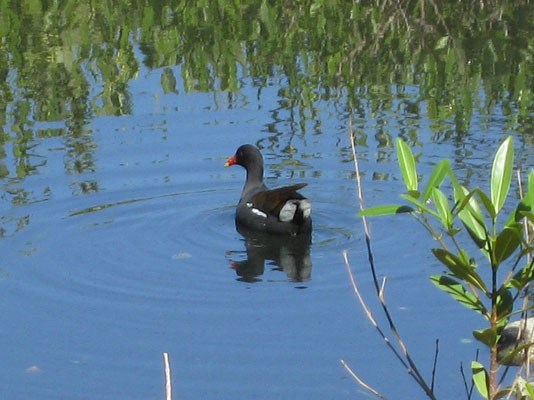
[70, 61]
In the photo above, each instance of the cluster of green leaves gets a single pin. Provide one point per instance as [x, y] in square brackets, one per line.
[493, 292]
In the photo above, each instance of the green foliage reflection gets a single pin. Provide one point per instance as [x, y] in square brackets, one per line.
[70, 61]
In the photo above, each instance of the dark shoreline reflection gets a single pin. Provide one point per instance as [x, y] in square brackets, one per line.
[290, 254]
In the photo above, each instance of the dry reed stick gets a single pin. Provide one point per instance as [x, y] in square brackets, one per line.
[168, 382]
[405, 358]
[360, 381]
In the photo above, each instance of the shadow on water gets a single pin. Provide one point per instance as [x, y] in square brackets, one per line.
[290, 254]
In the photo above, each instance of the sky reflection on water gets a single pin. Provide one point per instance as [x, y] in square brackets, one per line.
[118, 240]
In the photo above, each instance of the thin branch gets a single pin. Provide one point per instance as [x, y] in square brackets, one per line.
[361, 382]
[413, 371]
[369, 314]
[435, 365]
[468, 390]
[426, 223]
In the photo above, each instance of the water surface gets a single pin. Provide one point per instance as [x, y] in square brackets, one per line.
[118, 240]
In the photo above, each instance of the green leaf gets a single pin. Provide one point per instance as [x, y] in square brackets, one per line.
[442, 207]
[459, 269]
[506, 243]
[523, 210]
[530, 191]
[458, 292]
[505, 303]
[501, 173]
[436, 178]
[385, 210]
[471, 215]
[487, 336]
[464, 257]
[480, 378]
[407, 165]
[414, 193]
[522, 277]
[456, 185]
[486, 201]
[530, 390]
[462, 197]
[476, 237]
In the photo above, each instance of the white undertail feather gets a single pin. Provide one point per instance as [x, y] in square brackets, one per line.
[306, 207]
[288, 211]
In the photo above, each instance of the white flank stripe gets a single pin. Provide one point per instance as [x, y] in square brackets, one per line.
[259, 212]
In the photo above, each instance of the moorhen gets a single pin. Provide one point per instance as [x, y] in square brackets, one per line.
[280, 211]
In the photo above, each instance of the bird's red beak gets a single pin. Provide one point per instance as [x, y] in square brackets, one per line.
[230, 161]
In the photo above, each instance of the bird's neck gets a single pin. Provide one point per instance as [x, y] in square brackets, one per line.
[254, 179]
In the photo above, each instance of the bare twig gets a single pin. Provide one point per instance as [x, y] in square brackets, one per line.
[168, 382]
[369, 314]
[468, 390]
[405, 358]
[361, 382]
[436, 352]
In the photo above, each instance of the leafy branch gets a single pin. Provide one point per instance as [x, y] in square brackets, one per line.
[445, 215]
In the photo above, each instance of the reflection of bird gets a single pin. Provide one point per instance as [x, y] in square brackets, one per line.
[277, 211]
[290, 254]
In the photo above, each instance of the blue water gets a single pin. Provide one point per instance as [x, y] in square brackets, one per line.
[103, 270]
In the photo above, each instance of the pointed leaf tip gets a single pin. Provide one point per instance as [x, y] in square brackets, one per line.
[407, 165]
[501, 173]
[439, 173]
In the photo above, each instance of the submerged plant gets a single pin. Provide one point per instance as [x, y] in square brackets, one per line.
[504, 248]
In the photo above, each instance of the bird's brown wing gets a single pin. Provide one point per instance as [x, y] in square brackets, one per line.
[272, 201]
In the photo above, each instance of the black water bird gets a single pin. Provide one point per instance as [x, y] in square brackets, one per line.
[281, 211]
